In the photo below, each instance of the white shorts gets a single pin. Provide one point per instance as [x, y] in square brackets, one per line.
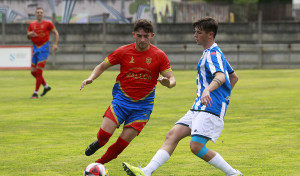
[203, 124]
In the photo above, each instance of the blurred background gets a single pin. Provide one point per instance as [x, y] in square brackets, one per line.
[253, 34]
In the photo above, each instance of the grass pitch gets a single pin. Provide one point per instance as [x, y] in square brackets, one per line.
[48, 136]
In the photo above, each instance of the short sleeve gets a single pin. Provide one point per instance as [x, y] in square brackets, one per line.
[215, 62]
[50, 26]
[29, 28]
[165, 64]
[114, 57]
[229, 68]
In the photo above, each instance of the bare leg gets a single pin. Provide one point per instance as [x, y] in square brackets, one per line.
[108, 125]
[173, 137]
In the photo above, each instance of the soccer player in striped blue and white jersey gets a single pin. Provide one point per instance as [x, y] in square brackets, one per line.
[205, 120]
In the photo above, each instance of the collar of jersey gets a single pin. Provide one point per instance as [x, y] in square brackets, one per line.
[211, 47]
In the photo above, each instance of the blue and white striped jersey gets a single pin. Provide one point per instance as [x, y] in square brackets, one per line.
[212, 61]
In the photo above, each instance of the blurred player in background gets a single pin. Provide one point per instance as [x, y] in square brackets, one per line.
[39, 32]
[134, 90]
[204, 122]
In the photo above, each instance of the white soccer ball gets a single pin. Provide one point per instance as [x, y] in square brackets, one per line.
[95, 169]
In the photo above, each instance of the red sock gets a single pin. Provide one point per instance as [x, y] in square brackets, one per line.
[38, 74]
[113, 151]
[103, 137]
[43, 80]
[33, 74]
[39, 79]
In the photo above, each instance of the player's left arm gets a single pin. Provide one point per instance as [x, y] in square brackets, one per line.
[167, 79]
[55, 45]
[233, 77]
[218, 80]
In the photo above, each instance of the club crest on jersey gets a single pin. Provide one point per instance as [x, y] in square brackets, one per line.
[148, 60]
[132, 60]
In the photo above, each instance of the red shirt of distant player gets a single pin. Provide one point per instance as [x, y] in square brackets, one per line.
[138, 70]
[42, 30]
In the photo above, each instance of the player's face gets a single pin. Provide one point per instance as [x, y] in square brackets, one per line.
[142, 39]
[203, 38]
[39, 14]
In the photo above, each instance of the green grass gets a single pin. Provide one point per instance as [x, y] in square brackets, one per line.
[48, 136]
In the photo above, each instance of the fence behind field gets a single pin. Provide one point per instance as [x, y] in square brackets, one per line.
[245, 45]
[185, 57]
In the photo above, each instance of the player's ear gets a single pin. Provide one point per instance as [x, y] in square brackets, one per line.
[211, 34]
[152, 35]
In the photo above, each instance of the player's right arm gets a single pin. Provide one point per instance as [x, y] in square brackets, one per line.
[218, 80]
[30, 32]
[98, 70]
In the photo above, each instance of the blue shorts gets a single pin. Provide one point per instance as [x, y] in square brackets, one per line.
[40, 55]
[131, 117]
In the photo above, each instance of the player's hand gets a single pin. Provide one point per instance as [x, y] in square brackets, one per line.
[32, 34]
[205, 98]
[164, 81]
[85, 82]
[55, 47]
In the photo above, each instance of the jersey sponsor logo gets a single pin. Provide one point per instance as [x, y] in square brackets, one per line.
[131, 60]
[143, 76]
[148, 60]
[41, 34]
[212, 53]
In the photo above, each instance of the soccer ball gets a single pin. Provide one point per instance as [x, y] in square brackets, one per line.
[95, 169]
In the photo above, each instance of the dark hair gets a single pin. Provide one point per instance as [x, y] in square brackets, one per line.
[144, 24]
[38, 8]
[207, 24]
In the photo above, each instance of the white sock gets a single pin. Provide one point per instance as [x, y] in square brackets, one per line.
[36, 92]
[46, 86]
[158, 160]
[221, 164]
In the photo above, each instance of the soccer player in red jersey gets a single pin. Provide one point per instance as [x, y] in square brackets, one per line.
[39, 32]
[134, 90]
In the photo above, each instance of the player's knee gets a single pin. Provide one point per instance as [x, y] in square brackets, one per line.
[103, 137]
[203, 151]
[198, 147]
[33, 73]
[39, 73]
[171, 136]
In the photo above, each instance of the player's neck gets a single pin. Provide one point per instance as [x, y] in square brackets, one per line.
[141, 49]
[40, 21]
[208, 44]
